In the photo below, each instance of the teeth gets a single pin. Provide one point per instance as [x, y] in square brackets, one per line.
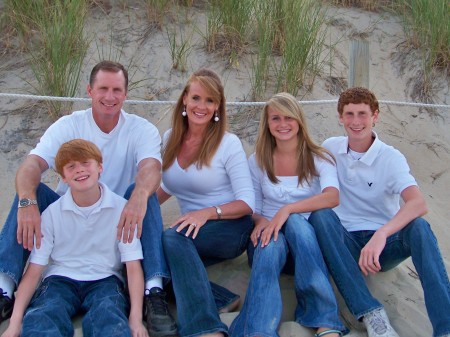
[81, 178]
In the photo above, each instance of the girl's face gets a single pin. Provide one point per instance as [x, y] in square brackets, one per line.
[282, 128]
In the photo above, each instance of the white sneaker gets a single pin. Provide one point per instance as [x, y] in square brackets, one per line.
[377, 324]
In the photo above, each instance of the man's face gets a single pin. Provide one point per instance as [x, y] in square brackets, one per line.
[108, 94]
[358, 120]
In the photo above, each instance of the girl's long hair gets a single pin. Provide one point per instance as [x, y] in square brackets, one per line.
[287, 105]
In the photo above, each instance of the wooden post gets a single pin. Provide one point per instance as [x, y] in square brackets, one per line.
[358, 72]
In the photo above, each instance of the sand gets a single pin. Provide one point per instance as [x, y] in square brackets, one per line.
[421, 134]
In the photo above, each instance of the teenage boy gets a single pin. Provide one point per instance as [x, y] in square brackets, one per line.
[131, 147]
[370, 229]
[81, 259]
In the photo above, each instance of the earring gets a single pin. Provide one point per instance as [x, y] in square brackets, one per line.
[216, 116]
[373, 125]
[184, 113]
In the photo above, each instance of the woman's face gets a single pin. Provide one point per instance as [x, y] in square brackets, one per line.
[200, 106]
[282, 128]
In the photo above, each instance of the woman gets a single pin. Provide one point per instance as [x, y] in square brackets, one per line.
[206, 168]
[292, 177]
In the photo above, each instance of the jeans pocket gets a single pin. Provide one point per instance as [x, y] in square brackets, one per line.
[41, 290]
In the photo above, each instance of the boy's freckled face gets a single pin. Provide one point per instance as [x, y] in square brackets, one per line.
[82, 175]
[358, 120]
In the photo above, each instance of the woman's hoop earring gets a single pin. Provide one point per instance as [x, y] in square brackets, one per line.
[216, 116]
[184, 113]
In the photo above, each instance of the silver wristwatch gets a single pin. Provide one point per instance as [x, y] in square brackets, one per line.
[219, 212]
[26, 202]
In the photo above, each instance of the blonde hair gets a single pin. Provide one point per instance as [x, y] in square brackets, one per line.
[287, 105]
[215, 131]
[76, 150]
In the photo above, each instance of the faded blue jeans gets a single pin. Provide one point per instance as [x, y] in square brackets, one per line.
[59, 298]
[217, 240]
[341, 250]
[13, 257]
[316, 303]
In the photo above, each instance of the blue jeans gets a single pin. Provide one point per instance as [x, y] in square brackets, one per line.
[316, 303]
[59, 298]
[341, 251]
[13, 257]
[217, 240]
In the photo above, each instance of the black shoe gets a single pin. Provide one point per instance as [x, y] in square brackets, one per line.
[157, 316]
[6, 306]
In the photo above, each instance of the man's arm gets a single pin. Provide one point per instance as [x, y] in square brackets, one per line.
[135, 277]
[24, 294]
[147, 181]
[414, 206]
[28, 177]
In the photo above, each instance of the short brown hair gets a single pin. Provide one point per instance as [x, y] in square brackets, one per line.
[357, 95]
[113, 67]
[76, 150]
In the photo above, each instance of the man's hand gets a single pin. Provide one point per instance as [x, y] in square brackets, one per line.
[369, 259]
[132, 216]
[29, 226]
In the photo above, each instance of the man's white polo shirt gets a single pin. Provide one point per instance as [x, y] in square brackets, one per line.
[369, 187]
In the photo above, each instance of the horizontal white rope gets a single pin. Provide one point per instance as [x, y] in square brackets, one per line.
[316, 102]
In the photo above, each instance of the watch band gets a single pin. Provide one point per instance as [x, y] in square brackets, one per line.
[26, 202]
[219, 212]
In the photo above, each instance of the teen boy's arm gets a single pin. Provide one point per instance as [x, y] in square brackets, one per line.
[24, 293]
[136, 287]
[414, 206]
[147, 181]
[28, 177]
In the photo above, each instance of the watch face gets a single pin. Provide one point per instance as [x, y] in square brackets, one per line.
[24, 202]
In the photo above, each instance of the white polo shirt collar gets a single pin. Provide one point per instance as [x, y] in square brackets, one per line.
[67, 203]
[372, 153]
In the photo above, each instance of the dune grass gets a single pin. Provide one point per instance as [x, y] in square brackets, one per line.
[427, 25]
[52, 31]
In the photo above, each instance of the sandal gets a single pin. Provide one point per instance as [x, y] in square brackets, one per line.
[327, 332]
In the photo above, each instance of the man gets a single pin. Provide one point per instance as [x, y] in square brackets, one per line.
[370, 229]
[130, 146]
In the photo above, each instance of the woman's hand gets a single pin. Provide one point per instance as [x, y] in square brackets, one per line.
[194, 221]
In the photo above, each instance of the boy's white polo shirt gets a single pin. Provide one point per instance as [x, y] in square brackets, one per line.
[84, 248]
[369, 187]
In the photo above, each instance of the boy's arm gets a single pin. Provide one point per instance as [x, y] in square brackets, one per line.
[413, 207]
[24, 294]
[135, 277]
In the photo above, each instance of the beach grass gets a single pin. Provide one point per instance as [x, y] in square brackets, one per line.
[427, 26]
[52, 32]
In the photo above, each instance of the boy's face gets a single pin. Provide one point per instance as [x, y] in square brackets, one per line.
[82, 175]
[358, 120]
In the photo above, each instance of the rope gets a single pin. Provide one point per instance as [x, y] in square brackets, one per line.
[317, 102]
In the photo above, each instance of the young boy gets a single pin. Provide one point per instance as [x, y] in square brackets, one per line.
[81, 259]
[371, 229]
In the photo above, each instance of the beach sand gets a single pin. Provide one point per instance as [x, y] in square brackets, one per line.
[421, 134]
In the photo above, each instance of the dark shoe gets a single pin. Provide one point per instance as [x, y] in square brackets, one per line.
[6, 306]
[157, 316]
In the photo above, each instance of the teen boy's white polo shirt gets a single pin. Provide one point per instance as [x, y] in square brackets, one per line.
[369, 187]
